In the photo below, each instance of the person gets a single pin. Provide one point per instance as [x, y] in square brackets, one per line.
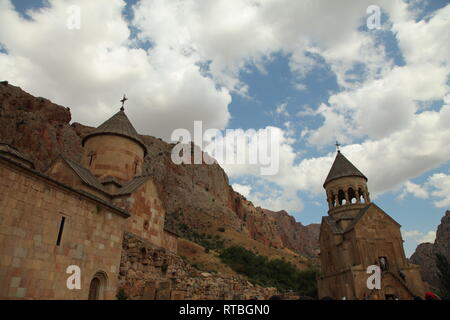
[383, 263]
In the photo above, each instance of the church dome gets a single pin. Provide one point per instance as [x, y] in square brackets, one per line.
[119, 125]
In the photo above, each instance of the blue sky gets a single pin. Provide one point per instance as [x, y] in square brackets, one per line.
[317, 74]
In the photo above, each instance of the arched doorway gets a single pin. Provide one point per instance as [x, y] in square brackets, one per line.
[97, 286]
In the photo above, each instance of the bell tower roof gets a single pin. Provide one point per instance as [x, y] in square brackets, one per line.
[342, 167]
[119, 125]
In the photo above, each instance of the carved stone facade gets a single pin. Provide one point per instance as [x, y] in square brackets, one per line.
[357, 234]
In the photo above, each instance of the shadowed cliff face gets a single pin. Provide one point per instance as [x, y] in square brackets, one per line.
[197, 196]
[296, 236]
[425, 254]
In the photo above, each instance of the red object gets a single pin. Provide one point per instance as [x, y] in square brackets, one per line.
[431, 296]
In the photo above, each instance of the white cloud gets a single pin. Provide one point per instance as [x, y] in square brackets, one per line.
[428, 237]
[414, 189]
[281, 109]
[197, 47]
[381, 107]
[411, 234]
[440, 184]
[385, 113]
[230, 35]
[89, 69]
[268, 197]
[437, 185]
[425, 41]
[242, 189]
[420, 237]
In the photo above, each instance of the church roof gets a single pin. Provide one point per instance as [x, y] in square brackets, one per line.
[85, 175]
[120, 125]
[12, 151]
[95, 183]
[342, 167]
[336, 228]
[131, 186]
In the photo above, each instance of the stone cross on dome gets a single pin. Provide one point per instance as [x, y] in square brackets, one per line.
[124, 99]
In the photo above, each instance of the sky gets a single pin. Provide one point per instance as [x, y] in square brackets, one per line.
[312, 72]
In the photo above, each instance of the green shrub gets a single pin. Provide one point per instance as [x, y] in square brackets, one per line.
[270, 273]
[121, 294]
[207, 241]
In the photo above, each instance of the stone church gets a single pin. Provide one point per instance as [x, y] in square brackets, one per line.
[76, 214]
[357, 234]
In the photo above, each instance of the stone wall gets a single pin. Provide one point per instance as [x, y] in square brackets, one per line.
[147, 215]
[152, 273]
[32, 264]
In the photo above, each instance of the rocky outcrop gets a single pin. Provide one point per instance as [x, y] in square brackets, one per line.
[36, 126]
[294, 235]
[442, 242]
[198, 196]
[425, 254]
[149, 273]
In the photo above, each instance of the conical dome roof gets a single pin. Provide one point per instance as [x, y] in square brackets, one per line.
[119, 125]
[342, 167]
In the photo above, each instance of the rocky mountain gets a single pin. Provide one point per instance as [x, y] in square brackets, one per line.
[198, 199]
[294, 235]
[425, 252]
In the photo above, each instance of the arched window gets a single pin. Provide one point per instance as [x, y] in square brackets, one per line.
[351, 195]
[361, 195]
[98, 286]
[341, 197]
[332, 198]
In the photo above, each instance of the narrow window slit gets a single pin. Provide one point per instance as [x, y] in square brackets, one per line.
[61, 229]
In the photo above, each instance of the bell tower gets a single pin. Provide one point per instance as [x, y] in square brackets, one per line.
[346, 188]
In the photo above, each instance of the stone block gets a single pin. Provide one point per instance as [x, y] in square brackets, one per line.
[15, 282]
[177, 295]
[163, 285]
[149, 291]
[163, 294]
